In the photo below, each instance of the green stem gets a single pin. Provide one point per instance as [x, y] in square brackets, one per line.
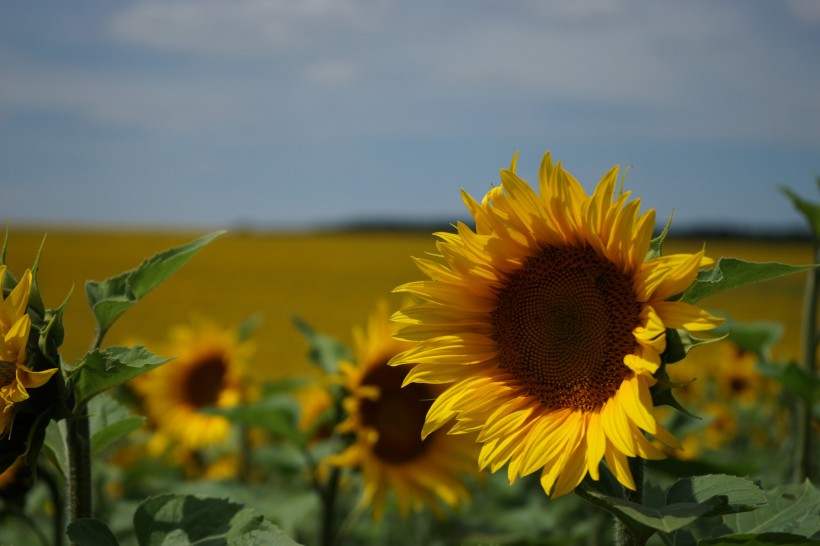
[623, 535]
[78, 444]
[803, 440]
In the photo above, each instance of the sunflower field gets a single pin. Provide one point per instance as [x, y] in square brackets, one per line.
[554, 371]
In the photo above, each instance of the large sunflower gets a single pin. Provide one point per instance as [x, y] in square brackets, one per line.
[386, 421]
[209, 371]
[549, 325]
[15, 376]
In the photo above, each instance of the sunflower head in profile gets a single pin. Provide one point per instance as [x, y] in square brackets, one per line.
[386, 421]
[15, 376]
[548, 322]
[209, 370]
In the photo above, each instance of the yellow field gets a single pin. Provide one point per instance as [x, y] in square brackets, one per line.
[330, 279]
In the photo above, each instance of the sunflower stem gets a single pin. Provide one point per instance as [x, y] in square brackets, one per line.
[78, 444]
[803, 441]
[623, 535]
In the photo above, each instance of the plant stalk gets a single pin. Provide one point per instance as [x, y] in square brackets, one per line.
[78, 444]
[59, 508]
[623, 535]
[803, 441]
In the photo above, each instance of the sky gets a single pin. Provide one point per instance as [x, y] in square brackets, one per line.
[295, 114]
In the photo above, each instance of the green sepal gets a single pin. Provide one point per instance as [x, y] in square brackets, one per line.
[662, 394]
[90, 532]
[35, 299]
[188, 519]
[656, 244]
[112, 297]
[326, 352]
[734, 273]
[810, 211]
[101, 370]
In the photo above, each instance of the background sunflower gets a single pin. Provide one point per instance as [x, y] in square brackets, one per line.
[386, 421]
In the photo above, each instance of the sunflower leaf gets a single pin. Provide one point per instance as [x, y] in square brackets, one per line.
[325, 351]
[644, 520]
[100, 370]
[91, 532]
[733, 273]
[793, 508]
[763, 539]
[810, 211]
[794, 379]
[741, 495]
[757, 338]
[277, 415]
[187, 519]
[112, 297]
[110, 421]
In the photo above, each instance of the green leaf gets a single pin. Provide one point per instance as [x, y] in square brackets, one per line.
[733, 273]
[325, 351]
[110, 421]
[54, 447]
[186, 519]
[763, 539]
[793, 508]
[758, 338]
[277, 415]
[100, 370]
[91, 532]
[810, 211]
[794, 379]
[737, 494]
[112, 297]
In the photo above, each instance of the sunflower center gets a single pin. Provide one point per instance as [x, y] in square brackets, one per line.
[397, 415]
[205, 381]
[8, 373]
[564, 325]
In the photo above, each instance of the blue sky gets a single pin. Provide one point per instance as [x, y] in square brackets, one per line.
[298, 113]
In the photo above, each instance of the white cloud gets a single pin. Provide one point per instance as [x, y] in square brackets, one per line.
[805, 11]
[240, 27]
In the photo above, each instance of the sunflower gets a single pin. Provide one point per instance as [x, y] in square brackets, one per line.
[15, 376]
[548, 323]
[209, 371]
[386, 421]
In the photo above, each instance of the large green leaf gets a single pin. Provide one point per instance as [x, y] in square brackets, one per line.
[737, 494]
[112, 297]
[54, 446]
[325, 351]
[109, 422]
[644, 521]
[793, 508]
[91, 532]
[185, 519]
[100, 370]
[763, 539]
[733, 273]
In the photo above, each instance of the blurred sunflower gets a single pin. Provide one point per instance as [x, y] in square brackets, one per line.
[387, 420]
[15, 376]
[210, 370]
[549, 322]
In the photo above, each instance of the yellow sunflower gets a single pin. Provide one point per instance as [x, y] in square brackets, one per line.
[387, 419]
[548, 324]
[209, 370]
[15, 376]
